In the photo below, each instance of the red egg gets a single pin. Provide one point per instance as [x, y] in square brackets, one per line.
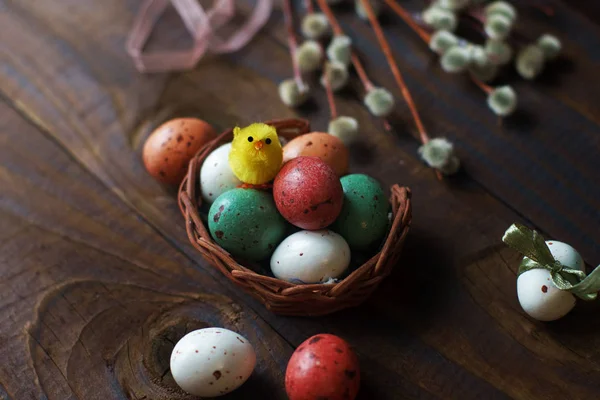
[308, 193]
[323, 367]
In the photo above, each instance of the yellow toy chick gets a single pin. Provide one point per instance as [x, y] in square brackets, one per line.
[256, 154]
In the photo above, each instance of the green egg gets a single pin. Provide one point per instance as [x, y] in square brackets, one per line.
[246, 223]
[363, 221]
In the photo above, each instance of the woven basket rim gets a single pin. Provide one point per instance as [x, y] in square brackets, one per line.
[278, 295]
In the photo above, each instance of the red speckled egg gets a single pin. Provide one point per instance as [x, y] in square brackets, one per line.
[323, 367]
[308, 193]
[169, 149]
[318, 144]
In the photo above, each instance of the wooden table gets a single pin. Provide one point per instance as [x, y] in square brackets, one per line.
[97, 278]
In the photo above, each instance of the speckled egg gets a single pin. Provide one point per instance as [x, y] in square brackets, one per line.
[308, 193]
[538, 296]
[245, 222]
[216, 176]
[323, 367]
[169, 149]
[318, 144]
[363, 221]
[311, 257]
[212, 362]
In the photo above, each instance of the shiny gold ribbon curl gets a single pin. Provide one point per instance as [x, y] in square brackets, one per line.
[532, 245]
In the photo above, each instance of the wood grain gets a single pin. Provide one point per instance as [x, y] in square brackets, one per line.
[92, 298]
[90, 238]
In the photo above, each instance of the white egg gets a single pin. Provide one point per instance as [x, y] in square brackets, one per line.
[566, 255]
[216, 177]
[211, 362]
[311, 257]
[537, 294]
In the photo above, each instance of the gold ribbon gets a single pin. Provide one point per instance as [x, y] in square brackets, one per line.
[532, 245]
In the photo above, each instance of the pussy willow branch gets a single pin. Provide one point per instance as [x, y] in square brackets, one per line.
[330, 96]
[293, 45]
[308, 5]
[338, 31]
[358, 67]
[385, 47]
[486, 88]
[423, 34]
[477, 21]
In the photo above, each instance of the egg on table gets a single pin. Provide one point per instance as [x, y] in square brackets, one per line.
[323, 367]
[216, 176]
[311, 257]
[245, 222]
[328, 148]
[538, 296]
[363, 220]
[170, 147]
[212, 362]
[308, 193]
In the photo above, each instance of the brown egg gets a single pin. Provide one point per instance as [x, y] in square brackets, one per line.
[318, 144]
[169, 149]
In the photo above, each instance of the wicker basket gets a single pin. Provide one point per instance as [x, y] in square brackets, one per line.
[280, 296]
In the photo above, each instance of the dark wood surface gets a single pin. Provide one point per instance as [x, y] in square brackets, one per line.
[97, 278]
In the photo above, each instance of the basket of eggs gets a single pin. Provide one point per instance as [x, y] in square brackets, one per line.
[287, 224]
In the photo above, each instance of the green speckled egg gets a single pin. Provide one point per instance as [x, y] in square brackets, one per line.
[363, 221]
[245, 222]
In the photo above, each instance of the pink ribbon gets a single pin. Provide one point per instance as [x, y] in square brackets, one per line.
[201, 24]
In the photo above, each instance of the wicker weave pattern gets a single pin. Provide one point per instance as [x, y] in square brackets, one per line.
[279, 296]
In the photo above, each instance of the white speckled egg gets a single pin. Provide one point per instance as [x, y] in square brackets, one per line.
[566, 255]
[311, 257]
[216, 176]
[212, 362]
[538, 296]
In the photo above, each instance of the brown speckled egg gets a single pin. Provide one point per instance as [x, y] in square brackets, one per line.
[169, 149]
[318, 144]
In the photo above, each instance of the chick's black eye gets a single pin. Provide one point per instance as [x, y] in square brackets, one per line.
[268, 141]
[250, 138]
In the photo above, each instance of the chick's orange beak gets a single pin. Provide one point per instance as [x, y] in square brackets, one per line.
[258, 145]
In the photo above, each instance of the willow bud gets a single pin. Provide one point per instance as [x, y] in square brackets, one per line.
[340, 49]
[502, 101]
[485, 73]
[315, 26]
[440, 18]
[455, 59]
[501, 8]
[291, 94]
[309, 56]
[441, 41]
[337, 75]
[362, 13]
[530, 62]
[477, 55]
[454, 5]
[498, 26]
[379, 101]
[498, 52]
[550, 46]
[438, 153]
[344, 128]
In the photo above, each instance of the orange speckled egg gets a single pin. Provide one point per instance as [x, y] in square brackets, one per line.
[169, 149]
[328, 148]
